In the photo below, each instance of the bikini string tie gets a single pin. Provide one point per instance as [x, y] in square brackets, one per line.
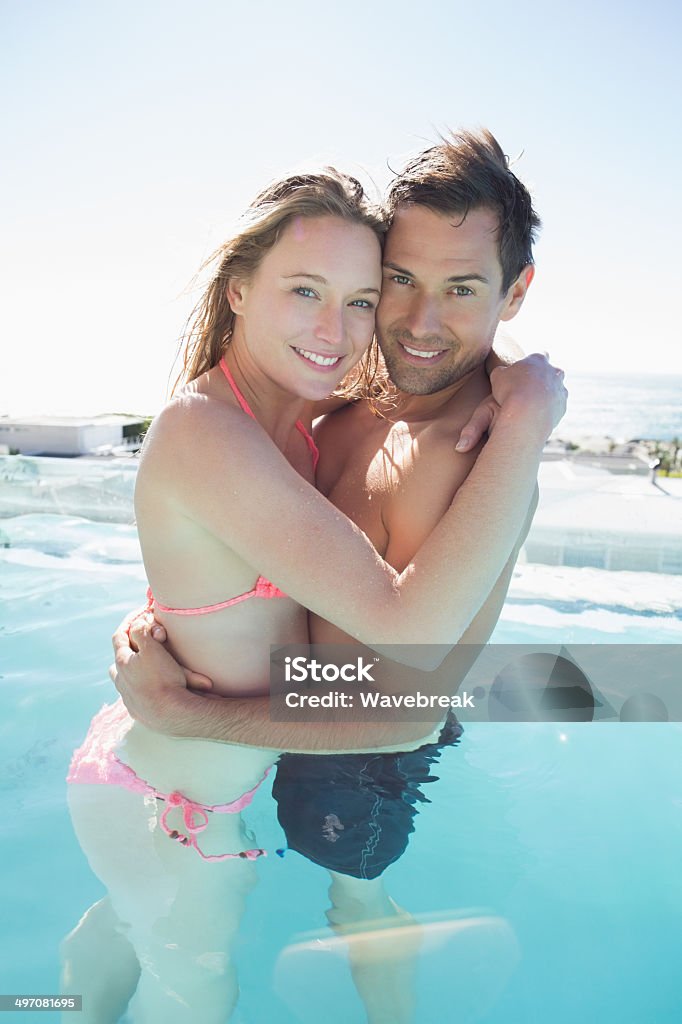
[195, 818]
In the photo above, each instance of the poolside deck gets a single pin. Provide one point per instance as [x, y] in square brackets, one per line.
[589, 516]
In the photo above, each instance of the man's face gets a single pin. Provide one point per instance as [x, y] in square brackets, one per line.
[442, 297]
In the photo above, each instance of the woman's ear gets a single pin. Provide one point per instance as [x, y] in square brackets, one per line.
[235, 290]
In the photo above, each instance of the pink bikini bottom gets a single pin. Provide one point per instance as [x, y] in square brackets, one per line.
[95, 763]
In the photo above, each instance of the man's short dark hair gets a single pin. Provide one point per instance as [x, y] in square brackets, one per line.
[469, 171]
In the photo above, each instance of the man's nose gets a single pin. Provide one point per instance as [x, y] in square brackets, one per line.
[330, 325]
[423, 316]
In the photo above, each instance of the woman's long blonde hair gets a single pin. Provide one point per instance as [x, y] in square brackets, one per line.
[327, 193]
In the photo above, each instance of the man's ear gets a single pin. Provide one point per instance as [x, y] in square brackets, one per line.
[517, 293]
[235, 290]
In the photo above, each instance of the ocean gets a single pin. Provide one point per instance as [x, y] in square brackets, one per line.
[623, 406]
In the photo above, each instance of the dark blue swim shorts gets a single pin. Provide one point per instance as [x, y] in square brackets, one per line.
[353, 813]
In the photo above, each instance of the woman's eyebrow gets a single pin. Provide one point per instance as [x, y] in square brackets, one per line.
[323, 280]
[313, 277]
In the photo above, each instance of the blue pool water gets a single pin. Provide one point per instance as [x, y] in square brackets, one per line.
[551, 851]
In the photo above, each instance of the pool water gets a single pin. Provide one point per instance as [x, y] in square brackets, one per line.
[547, 865]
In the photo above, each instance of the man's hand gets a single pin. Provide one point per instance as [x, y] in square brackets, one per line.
[147, 677]
[529, 382]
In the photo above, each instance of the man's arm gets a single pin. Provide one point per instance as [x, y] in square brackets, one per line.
[154, 688]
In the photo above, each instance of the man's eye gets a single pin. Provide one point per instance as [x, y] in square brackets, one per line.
[462, 289]
[307, 292]
[400, 279]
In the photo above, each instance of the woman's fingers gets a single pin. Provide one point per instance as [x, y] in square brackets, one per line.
[478, 425]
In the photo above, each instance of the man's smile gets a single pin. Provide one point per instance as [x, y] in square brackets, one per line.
[421, 355]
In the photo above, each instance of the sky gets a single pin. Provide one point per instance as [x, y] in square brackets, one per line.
[136, 131]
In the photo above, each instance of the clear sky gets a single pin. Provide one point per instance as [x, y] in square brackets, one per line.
[135, 131]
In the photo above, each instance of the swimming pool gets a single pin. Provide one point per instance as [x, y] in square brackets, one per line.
[546, 865]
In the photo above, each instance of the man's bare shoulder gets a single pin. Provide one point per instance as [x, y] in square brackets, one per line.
[341, 419]
[347, 439]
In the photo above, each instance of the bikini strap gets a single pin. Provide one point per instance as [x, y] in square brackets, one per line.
[247, 409]
[235, 390]
[311, 444]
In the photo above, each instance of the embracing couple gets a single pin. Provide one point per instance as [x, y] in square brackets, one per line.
[404, 532]
[397, 521]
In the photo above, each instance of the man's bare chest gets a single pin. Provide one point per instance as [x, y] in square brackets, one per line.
[395, 482]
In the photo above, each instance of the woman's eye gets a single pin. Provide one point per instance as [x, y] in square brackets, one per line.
[307, 292]
[362, 304]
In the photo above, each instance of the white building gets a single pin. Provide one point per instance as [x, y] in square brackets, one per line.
[69, 435]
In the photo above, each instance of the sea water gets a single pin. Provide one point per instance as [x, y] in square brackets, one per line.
[623, 406]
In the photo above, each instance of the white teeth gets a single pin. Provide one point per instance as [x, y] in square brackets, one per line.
[320, 360]
[422, 355]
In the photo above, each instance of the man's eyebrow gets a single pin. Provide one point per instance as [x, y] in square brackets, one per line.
[457, 279]
[461, 278]
[399, 270]
[323, 280]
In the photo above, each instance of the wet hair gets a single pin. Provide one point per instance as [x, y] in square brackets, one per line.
[469, 171]
[328, 193]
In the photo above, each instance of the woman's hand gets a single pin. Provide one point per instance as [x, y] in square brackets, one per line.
[146, 675]
[530, 387]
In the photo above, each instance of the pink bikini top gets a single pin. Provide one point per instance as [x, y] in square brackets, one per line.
[262, 587]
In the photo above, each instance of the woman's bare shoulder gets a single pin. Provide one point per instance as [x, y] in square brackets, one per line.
[191, 417]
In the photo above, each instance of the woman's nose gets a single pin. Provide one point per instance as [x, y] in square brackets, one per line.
[330, 325]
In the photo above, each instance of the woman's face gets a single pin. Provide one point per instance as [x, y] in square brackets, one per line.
[307, 314]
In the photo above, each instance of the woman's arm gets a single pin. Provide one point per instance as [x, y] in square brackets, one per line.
[505, 352]
[240, 488]
[155, 690]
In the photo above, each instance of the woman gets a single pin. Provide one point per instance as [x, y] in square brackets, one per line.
[225, 496]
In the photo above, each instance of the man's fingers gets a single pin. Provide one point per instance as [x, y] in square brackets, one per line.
[196, 681]
[477, 426]
[139, 632]
[121, 636]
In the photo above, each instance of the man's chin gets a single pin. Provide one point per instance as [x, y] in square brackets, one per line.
[412, 380]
